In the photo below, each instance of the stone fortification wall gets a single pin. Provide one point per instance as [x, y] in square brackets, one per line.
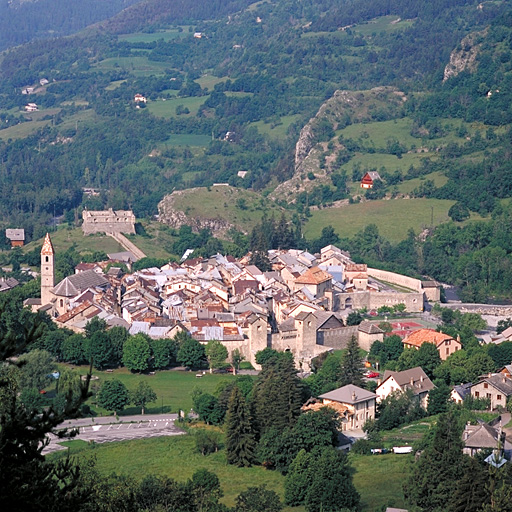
[108, 221]
[397, 279]
[374, 300]
[337, 338]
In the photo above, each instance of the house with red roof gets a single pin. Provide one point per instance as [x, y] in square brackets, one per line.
[445, 344]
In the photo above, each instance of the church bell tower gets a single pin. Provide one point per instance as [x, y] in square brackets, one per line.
[47, 271]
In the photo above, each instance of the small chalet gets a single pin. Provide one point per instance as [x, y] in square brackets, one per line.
[369, 179]
[16, 236]
[415, 379]
[139, 98]
[31, 107]
[358, 403]
[445, 344]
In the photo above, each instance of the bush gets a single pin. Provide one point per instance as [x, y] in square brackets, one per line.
[207, 441]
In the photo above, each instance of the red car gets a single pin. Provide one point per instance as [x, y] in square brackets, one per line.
[371, 375]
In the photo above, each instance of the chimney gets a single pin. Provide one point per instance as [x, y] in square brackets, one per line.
[353, 396]
[421, 378]
[412, 381]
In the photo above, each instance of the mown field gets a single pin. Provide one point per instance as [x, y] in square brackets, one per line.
[394, 217]
[172, 387]
[166, 108]
[378, 479]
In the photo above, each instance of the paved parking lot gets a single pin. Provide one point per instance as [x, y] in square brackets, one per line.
[107, 430]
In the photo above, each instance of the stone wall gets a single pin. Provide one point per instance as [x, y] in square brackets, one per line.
[397, 279]
[374, 300]
[108, 221]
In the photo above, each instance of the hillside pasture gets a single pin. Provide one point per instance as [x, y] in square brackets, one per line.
[239, 207]
[277, 128]
[150, 37]
[389, 23]
[394, 218]
[166, 108]
[136, 65]
[406, 187]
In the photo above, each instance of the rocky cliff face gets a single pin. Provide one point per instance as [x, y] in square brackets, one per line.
[343, 108]
[174, 217]
[463, 58]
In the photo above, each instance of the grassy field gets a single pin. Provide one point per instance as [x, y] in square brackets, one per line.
[137, 65]
[22, 130]
[377, 478]
[393, 218]
[166, 35]
[406, 187]
[210, 81]
[167, 108]
[382, 24]
[237, 206]
[186, 139]
[278, 130]
[63, 239]
[172, 387]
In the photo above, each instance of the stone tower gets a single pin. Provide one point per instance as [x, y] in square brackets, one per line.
[47, 271]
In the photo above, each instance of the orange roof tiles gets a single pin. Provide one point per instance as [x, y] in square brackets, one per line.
[417, 338]
[314, 275]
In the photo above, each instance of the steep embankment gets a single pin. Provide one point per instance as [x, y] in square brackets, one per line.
[318, 148]
[218, 209]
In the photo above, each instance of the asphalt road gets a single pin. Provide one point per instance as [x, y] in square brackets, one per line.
[110, 429]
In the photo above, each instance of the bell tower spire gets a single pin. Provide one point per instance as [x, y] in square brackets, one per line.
[47, 271]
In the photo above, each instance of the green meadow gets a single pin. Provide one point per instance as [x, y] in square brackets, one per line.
[394, 218]
[166, 108]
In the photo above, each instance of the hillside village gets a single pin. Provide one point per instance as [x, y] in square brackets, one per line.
[300, 306]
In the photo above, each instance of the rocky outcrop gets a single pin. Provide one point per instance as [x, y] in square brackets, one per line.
[463, 58]
[174, 217]
[342, 109]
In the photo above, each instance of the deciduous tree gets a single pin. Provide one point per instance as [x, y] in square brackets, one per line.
[143, 395]
[113, 396]
[136, 353]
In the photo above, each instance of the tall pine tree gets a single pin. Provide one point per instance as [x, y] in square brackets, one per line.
[277, 394]
[240, 439]
[351, 365]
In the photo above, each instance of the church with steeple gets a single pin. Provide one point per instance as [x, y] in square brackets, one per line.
[55, 299]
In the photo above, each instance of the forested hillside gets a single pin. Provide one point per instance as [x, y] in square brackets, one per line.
[22, 21]
[232, 86]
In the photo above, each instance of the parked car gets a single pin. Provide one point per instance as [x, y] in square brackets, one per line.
[371, 374]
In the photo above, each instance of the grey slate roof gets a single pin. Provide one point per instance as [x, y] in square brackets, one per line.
[369, 328]
[349, 394]
[77, 283]
[15, 234]
[420, 382]
[500, 382]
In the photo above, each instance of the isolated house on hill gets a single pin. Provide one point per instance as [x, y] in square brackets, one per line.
[16, 236]
[445, 344]
[369, 179]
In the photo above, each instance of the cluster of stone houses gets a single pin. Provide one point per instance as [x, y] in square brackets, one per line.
[299, 306]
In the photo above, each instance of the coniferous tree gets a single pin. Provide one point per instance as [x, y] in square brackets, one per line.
[351, 365]
[430, 485]
[277, 394]
[240, 439]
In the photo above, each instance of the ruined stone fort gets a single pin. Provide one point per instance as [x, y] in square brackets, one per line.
[108, 221]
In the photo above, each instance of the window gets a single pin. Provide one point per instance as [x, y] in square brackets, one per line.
[447, 350]
[486, 385]
[498, 397]
[46, 259]
[488, 395]
[477, 394]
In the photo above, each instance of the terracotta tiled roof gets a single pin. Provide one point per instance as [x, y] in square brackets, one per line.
[314, 275]
[47, 249]
[417, 338]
